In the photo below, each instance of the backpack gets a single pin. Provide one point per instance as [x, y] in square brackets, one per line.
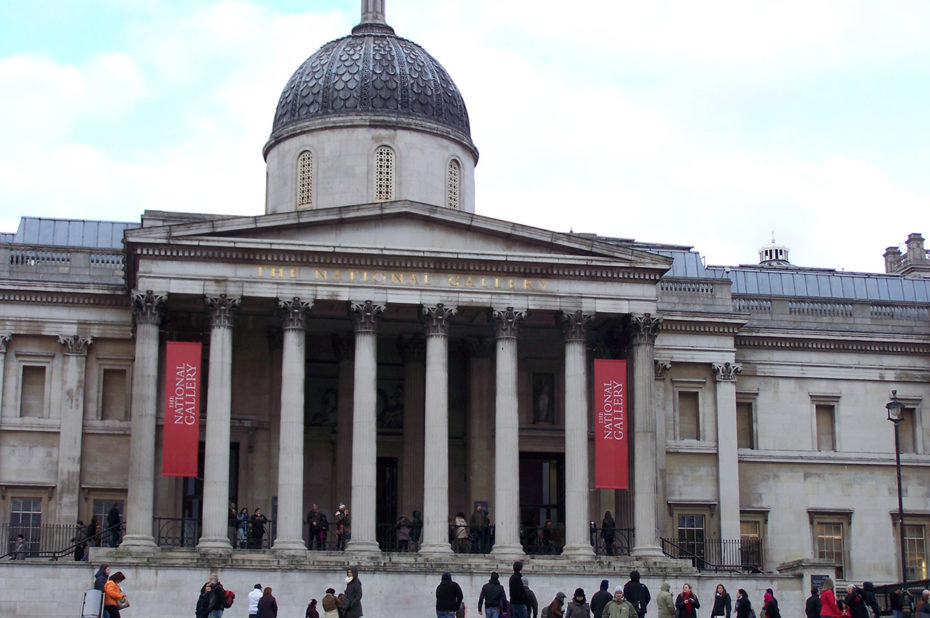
[228, 598]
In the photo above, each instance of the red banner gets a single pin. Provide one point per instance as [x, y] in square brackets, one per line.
[611, 425]
[182, 409]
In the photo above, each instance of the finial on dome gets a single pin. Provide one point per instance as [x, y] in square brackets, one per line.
[373, 12]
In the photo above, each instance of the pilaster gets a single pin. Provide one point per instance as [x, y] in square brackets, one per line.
[72, 427]
[727, 450]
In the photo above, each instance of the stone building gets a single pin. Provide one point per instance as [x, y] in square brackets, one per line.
[372, 341]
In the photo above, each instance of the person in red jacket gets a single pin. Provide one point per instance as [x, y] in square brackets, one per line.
[828, 606]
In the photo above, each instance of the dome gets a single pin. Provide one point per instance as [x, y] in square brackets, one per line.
[376, 75]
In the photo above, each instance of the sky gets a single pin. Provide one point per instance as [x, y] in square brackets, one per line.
[710, 124]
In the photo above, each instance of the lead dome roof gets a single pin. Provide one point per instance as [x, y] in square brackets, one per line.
[372, 72]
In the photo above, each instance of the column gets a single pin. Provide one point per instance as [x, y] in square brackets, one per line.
[727, 459]
[289, 539]
[577, 487]
[506, 436]
[436, 431]
[214, 537]
[364, 426]
[413, 354]
[147, 311]
[644, 328]
[72, 427]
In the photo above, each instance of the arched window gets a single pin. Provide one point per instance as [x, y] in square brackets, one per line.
[454, 185]
[305, 180]
[384, 174]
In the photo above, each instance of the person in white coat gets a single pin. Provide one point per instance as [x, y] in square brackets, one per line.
[254, 596]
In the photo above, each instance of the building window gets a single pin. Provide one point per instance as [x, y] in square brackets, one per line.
[26, 519]
[826, 428]
[305, 180]
[102, 507]
[691, 534]
[830, 545]
[384, 174]
[750, 535]
[32, 394]
[113, 399]
[915, 547]
[745, 424]
[453, 185]
[688, 414]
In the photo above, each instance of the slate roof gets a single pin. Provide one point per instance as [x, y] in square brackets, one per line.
[70, 232]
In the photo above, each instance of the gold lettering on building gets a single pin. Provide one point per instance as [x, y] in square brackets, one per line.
[404, 278]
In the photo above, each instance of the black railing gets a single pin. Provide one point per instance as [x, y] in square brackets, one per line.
[54, 541]
[733, 555]
[542, 540]
[884, 592]
[186, 532]
[612, 541]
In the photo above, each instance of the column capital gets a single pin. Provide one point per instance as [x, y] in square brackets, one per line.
[506, 322]
[147, 307]
[222, 309]
[365, 315]
[437, 318]
[574, 324]
[644, 327]
[343, 346]
[662, 367]
[726, 372]
[293, 312]
[75, 345]
[4, 339]
[412, 349]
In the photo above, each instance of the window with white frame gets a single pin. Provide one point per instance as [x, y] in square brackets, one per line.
[32, 391]
[691, 534]
[830, 541]
[454, 185]
[915, 551]
[26, 519]
[384, 174]
[752, 534]
[305, 180]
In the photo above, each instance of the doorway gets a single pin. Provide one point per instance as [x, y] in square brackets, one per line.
[386, 493]
[542, 498]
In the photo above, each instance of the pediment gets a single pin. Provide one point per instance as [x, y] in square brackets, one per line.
[399, 228]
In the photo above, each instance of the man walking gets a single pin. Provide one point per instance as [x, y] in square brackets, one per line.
[637, 594]
[448, 597]
[600, 599]
[517, 592]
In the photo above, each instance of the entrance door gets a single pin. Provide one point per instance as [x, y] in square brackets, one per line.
[387, 502]
[542, 497]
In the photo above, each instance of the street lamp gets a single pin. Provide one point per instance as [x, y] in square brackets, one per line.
[896, 414]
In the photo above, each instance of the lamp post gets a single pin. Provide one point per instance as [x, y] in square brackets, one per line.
[896, 414]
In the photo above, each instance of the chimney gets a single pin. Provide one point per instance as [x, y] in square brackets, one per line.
[915, 249]
[892, 259]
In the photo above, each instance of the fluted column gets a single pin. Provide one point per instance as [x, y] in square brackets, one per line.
[507, 436]
[147, 310]
[436, 434]
[364, 427]
[577, 487]
[72, 426]
[214, 537]
[727, 456]
[644, 327]
[289, 539]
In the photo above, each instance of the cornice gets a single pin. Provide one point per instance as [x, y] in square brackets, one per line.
[836, 345]
[117, 299]
[700, 328]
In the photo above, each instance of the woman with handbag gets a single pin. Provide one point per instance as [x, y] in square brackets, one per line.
[114, 600]
[687, 603]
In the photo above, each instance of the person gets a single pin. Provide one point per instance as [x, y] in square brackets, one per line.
[461, 533]
[517, 591]
[80, 542]
[205, 602]
[257, 529]
[492, 597]
[578, 606]
[897, 603]
[93, 531]
[770, 604]
[923, 610]
[479, 529]
[311, 610]
[545, 536]
[687, 603]
[743, 606]
[242, 527]
[324, 530]
[855, 602]
[608, 531]
[554, 609]
[722, 605]
[416, 528]
[352, 606]
[343, 530]
[828, 605]
[267, 605]
[114, 525]
[101, 577]
[314, 520]
[665, 607]
[254, 596]
[403, 534]
[448, 597]
[232, 523]
[868, 595]
[619, 607]
[19, 547]
[532, 604]
[330, 604]
[812, 605]
[600, 599]
[637, 594]
[219, 596]
[113, 594]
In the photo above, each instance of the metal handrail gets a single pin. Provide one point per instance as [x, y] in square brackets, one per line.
[727, 555]
[55, 554]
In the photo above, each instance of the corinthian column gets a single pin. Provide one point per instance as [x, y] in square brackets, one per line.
[727, 458]
[436, 434]
[577, 488]
[214, 538]
[147, 310]
[289, 539]
[72, 427]
[364, 426]
[507, 437]
[644, 327]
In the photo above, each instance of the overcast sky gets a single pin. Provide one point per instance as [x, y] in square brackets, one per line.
[712, 124]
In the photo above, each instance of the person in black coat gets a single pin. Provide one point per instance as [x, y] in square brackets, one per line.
[492, 595]
[687, 603]
[812, 605]
[600, 599]
[101, 576]
[722, 604]
[448, 596]
[868, 595]
[206, 603]
[517, 591]
[743, 606]
[638, 594]
[352, 606]
[856, 602]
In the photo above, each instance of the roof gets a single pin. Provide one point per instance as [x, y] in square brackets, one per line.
[70, 232]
